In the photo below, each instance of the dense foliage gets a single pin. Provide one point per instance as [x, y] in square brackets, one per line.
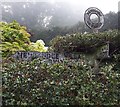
[67, 83]
[39, 46]
[71, 82]
[15, 37]
[86, 43]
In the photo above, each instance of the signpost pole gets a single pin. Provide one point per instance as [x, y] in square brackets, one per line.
[95, 26]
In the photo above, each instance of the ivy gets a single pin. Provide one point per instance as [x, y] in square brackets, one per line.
[67, 83]
[85, 43]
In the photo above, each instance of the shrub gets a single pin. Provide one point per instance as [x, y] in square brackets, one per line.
[86, 43]
[14, 37]
[67, 83]
[39, 46]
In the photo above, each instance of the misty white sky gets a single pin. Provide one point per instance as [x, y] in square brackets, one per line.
[104, 5]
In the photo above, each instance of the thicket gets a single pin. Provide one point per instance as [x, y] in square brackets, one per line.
[86, 43]
[66, 83]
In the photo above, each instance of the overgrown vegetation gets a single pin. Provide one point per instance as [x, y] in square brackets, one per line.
[39, 46]
[86, 43]
[15, 37]
[71, 82]
[67, 83]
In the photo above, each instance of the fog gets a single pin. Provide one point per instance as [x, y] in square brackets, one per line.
[53, 12]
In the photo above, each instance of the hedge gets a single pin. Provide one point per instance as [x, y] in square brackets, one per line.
[66, 83]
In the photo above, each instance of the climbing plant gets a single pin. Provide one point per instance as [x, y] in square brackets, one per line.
[85, 43]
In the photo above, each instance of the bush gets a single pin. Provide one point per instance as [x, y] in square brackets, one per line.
[39, 46]
[14, 37]
[67, 83]
[86, 43]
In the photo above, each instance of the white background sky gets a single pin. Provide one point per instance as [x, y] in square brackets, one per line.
[104, 5]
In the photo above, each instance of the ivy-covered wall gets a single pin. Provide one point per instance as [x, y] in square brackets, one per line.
[86, 43]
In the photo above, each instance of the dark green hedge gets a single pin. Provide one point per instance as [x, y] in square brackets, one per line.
[67, 83]
[86, 43]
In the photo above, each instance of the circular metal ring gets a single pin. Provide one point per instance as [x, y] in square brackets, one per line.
[92, 25]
